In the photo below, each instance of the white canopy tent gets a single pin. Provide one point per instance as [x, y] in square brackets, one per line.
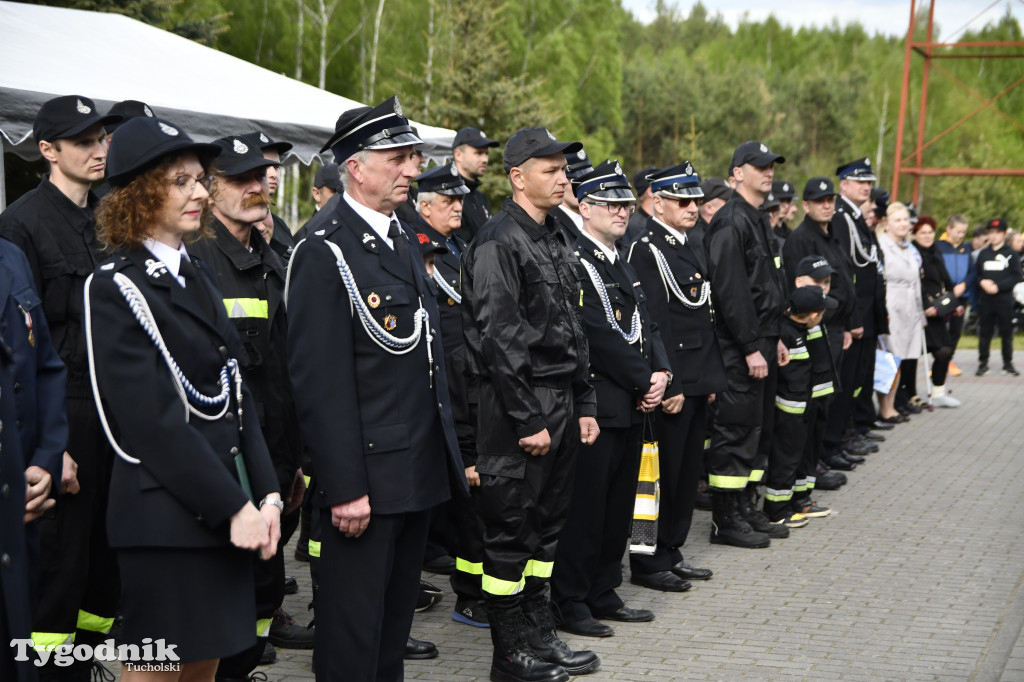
[46, 52]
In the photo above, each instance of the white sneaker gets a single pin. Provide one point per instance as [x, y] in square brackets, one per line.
[945, 401]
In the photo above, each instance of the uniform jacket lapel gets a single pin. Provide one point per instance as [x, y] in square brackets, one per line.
[389, 259]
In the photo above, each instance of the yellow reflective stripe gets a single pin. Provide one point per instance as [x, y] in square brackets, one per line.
[468, 566]
[54, 639]
[246, 307]
[263, 626]
[756, 475]
[799, 487]
[581, 298]
[307, 479]
[799, 356]
[797, 350]
[727, 482]
[778, 262]
[93, 623]
[777, 495]
[791, 406]
[314, 548]
[707, 443]
[499, 587]
[822, 389]
[856, 391]
[539, 569]
[813, 335]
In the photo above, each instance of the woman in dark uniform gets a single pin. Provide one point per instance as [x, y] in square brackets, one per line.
[193, 491]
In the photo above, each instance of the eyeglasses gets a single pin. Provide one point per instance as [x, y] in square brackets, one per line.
[615, 208]
[186, 184]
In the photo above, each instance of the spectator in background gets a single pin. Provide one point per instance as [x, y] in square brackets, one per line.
[998, 272]
[956, 255]
[937, 291]
[903, 302]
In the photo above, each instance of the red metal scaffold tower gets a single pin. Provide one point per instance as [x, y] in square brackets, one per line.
[912, 164]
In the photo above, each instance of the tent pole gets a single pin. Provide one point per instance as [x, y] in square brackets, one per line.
[3, 182]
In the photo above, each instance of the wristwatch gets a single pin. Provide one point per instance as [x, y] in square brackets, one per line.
[274, 501]
[669, 375]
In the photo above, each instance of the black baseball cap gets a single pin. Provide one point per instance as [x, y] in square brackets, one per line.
[127, 110]
[328, 176]
[716, 188]
[237, 156]
[770, 201]
[474, 137]
[577, 164]
[756, 154]
[140, 144]
[264, 142]
[642, 180]
[783, 190]
[814, 266]
[67, 116]
[810, 299]
[531, 143]
[818, 188]
[996, 224]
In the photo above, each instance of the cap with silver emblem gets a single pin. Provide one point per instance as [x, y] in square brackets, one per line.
[607, 182]
[142, 141]
[860, 170]
[679, 182]
[443, 179]
[380, 127]
[818, 188]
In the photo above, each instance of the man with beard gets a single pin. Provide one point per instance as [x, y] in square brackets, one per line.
[251, 278]
[748, 292]
[675, 278]
[469, 154]
[522, 290]
[275, 230]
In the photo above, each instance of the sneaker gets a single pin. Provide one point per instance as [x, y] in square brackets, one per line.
[945, 401]
[469, 613]
[954, 371]
[982, 370]
[812, 509]
[793, 521]
[1010, 370]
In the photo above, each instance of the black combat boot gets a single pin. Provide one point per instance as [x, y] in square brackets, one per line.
[514, 660]
[755, 517]
[540, 633]
[729, 528]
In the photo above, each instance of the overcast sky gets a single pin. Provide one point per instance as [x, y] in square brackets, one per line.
[883, 16]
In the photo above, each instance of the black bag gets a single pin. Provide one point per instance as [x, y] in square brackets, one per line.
[945, 304]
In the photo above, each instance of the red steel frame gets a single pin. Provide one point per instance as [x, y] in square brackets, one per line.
[912, 163]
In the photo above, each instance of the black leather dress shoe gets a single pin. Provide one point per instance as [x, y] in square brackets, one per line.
[880, 425]
[587, 627]
[859, 447]
[419, 649]
[291, 586]
[840, 463]
[666, 581]
[624, 614]
[872, 436]
[850, 457]
[831, 480]
[688, 572]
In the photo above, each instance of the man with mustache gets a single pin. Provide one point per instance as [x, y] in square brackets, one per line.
[251, 278]
[275, 230]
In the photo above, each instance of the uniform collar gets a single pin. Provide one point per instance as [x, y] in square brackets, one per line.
[576, 218]
[377, 221]
[79, 217]
[610, 254]
[532, 228]
[679, 236]
[855, 210]
[168, 255]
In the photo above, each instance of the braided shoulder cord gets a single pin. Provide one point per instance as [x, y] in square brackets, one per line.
[861, 256]
[188, 393]
[447, 288]
[635, 328]
[672, 285]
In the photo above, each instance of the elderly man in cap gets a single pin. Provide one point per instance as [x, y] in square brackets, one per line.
[630, 371]
[748, 292]
[469, 154]
[522, 293]
[870, 318]
[53, 225]
[675, 277]
[367, 367]
[567, 215]
[275, 230]
[251, 279]
[644, 210]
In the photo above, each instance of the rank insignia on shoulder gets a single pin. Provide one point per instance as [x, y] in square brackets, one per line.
[645, 240]
[155, 268]
[367, 237]
[108, 266]
[618, 314]
[670, 239]
[598, 255]
[320, 233]
[373, 300]
[390, 322]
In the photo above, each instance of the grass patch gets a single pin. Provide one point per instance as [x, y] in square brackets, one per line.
[970, 342]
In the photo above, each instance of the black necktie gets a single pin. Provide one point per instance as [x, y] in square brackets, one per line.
[401, 245]
[194, 287]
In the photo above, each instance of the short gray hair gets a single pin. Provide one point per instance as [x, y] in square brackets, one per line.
[424, 196]
[363, 155]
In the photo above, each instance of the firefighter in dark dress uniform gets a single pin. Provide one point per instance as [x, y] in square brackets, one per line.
[522, 290]
[367, 367]
[53, 225]
[675, 279]
[629, 370]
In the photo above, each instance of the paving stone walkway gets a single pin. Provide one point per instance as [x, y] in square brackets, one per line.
[917, 575]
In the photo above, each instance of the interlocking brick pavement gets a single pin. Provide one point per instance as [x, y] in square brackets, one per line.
[917, 574]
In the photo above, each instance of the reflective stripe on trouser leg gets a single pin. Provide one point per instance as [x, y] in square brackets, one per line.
[42, 640]
[263, 626]
[738, 414]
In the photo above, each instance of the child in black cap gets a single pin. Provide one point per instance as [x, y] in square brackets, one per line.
[807, 306]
